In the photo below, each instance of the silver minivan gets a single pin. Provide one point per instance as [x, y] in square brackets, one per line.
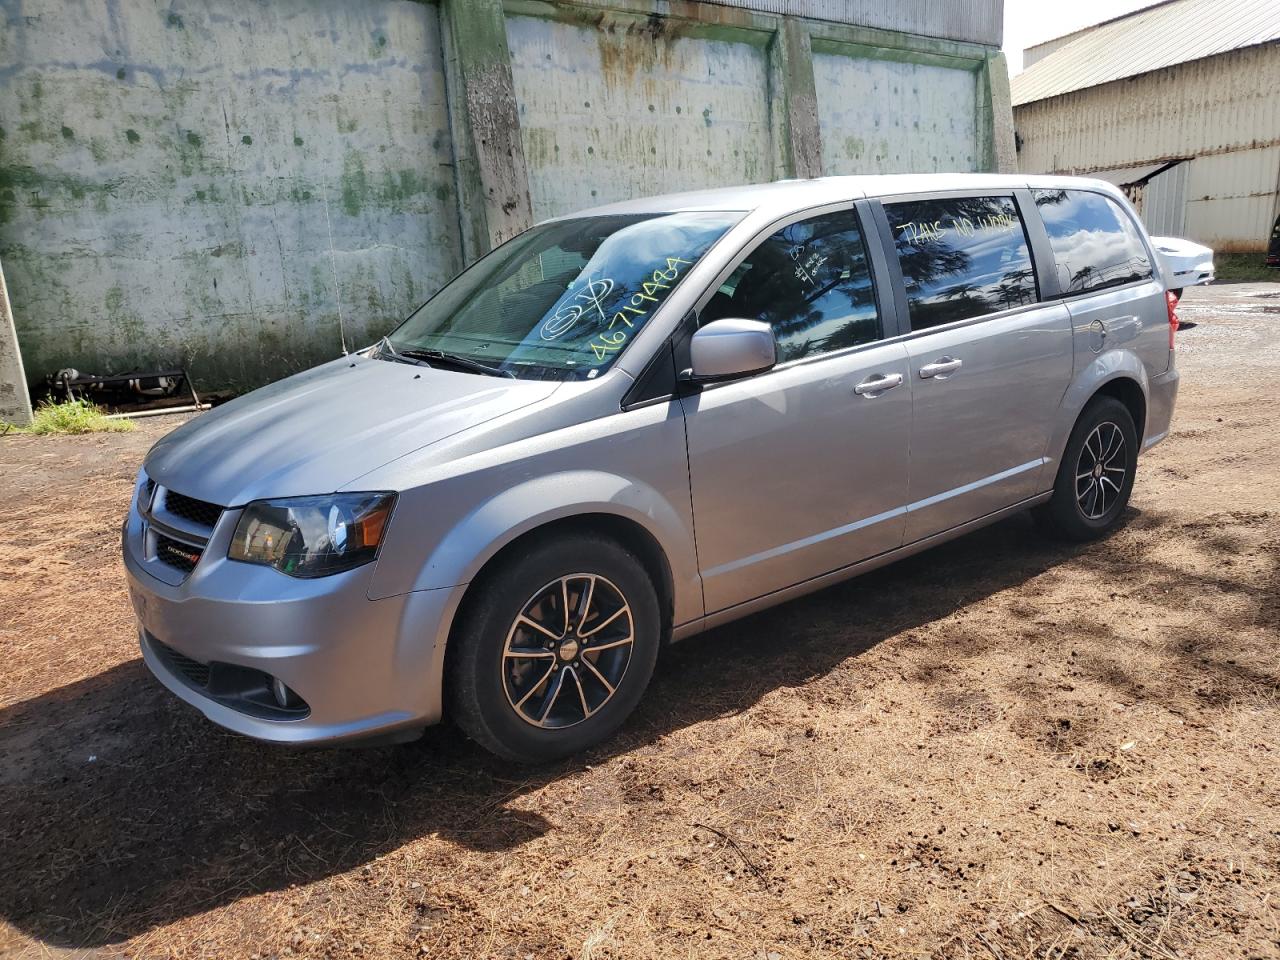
[628, 425]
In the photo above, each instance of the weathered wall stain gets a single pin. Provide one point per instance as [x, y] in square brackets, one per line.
[615, 110]
[170, 180]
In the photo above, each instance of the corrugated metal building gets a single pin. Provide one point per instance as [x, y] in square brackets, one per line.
[1179, 103]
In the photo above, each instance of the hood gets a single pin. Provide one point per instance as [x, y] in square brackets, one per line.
[1181, 247]
[317, 431]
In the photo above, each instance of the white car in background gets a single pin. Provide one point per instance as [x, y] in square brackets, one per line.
[1187, 264]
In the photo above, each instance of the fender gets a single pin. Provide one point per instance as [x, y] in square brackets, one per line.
[1088, 380]
[478, 536]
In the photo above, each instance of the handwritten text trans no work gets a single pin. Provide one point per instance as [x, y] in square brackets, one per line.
[916, 232]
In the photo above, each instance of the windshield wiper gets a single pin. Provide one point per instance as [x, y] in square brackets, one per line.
[384, 348]
[452, 359]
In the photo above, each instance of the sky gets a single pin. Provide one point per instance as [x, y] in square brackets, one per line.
[1028, 22]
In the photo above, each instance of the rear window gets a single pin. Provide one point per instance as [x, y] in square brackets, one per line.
[1094, 242]
[961, 257]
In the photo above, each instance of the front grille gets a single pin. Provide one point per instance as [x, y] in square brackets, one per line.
[177, 554]
[189, 508]
[195, 672]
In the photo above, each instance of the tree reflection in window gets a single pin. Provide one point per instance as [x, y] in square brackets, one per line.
[811, 282]
[1094, 243]
[961, 257]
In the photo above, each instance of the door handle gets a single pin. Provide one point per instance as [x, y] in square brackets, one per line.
[940, 368]
[877, 383]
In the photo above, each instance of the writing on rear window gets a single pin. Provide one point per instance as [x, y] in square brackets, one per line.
[961, 257]
[920, 232]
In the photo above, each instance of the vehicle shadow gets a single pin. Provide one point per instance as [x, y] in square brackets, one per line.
[124, 810]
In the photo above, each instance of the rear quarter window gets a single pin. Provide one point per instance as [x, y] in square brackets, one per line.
[1094, 242]
[961, 257]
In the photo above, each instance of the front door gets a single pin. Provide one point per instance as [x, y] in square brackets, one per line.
[803, 469]
[990, 367]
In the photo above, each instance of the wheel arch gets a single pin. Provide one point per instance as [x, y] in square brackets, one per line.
[622, 530]
[1128, 391]
[1117, 373]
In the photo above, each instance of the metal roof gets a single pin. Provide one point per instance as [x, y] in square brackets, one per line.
[1161, 36]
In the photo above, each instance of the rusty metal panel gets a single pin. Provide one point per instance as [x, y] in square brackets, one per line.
[209, 185]
[1210, 106]
[1231, 199]
[976, 21]
[1164, 209]
[882, 116]
[610, 114]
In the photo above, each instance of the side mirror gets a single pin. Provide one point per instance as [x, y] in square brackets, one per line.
[729, 348]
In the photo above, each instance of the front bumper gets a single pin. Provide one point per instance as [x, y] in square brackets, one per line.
[365, 669]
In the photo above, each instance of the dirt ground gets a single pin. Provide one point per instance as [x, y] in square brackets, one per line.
[1004, 748]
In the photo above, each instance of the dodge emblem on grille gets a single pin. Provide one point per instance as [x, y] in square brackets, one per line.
[176, 552]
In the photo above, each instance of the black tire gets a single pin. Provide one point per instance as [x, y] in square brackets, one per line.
[485, 684]
[1074, 513]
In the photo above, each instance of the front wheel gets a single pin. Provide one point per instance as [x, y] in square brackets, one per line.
[555, 649]
[1096, 474]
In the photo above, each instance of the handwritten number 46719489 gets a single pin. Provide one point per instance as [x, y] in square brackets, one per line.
[606, 342]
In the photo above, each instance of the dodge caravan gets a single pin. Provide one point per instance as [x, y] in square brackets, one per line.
[631, 424]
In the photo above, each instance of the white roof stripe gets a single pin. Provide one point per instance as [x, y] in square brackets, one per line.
[1151, 39]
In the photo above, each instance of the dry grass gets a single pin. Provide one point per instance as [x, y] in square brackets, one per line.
[1001, 749]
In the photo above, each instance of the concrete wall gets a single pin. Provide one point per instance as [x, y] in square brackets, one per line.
[1221, 111]
[887, 116]
[243, 187]
[611, 114]
[212, 183]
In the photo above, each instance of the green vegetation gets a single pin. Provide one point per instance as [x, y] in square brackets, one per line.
[72, 416]
[1243, 267]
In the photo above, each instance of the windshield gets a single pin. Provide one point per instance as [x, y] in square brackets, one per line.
[561, 300]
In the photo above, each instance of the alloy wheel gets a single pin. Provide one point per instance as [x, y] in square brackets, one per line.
[1100, 471]
[567, 651]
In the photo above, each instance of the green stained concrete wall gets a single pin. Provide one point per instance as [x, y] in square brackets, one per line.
[616, 110]
[242, 187]
[212, 184]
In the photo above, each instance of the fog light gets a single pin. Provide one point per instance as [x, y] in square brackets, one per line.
[285, 697]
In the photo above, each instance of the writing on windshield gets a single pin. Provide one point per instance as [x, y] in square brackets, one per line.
[562, 300]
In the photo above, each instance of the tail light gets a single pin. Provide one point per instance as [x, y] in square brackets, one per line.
[1172, 301]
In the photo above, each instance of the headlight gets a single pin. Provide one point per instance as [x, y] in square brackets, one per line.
[312, 536]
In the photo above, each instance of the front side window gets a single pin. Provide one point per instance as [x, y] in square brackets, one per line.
[961, 257]
[1094, 243]
[563, 299]
[810, 281]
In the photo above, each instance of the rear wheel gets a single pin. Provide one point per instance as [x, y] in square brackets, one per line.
[555, 649]
[1096, 474]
